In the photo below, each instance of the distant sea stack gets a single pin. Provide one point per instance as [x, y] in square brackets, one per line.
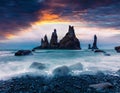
[89, 46]
[117, 48]
[94, 47]
[69, 41]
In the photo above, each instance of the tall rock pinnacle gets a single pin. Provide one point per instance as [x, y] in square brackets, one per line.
[95, 43]
[54, 40]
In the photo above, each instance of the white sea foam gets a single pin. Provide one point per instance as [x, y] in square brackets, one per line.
[11, 65]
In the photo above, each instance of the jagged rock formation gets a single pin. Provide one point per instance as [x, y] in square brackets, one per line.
[117, 49]
[89, 46]
[69, 41]
[95, 43]
[54, 40]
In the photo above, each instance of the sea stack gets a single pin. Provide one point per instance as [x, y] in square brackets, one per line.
[94, 47]
[44, 43]
[89, 46]
[70, 40]
[54, 40]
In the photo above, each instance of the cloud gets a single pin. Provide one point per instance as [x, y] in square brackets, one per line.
[17, 15]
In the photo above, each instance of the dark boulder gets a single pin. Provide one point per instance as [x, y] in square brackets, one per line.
[23, 52]
[99, 51]
[117, 49]
[70, 40]
[37, 65]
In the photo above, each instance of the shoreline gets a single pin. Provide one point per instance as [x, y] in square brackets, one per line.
[60, 84]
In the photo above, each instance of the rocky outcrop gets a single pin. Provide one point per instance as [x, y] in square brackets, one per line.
[23, 52]
[69, 41]
[117, 49]
[95, 43]
[37, 65]
[61, 71]
[99, 51]
[54, 40]
[77, 66]
[89, 46]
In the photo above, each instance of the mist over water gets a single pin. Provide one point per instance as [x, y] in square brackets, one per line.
[11, 65]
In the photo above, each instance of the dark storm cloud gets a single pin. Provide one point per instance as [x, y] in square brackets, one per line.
[107, 16]
[101, 13]
[16, 15]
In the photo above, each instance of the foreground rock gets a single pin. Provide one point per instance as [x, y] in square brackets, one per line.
[37, 65]
[117, 49]
[23, 52]
[101, 86]
[69, 41]
[118, 72]
[61, 71]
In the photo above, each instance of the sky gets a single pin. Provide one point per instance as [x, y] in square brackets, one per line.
[24, 22]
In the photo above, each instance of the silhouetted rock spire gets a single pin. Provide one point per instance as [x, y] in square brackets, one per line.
[44, 43]
[70, 41]
[54, 40]
[95, 43]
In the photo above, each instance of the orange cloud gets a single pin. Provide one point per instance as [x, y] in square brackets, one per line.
[50, 18]
[10, 36]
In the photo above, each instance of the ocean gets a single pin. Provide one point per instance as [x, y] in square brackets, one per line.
[11, 66]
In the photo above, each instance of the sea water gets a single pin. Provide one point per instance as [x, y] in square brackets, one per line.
[11, 65]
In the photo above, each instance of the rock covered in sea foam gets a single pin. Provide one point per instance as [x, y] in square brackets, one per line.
[61, 71]
[77, 66]
[37, 65]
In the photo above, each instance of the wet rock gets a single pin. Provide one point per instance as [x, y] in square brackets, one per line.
[106, 54]
[61, 71]
[70, 40]
[117, 49]
[118, 72]
[101, 86]
[99, 51]
[23, 52]
[37, 65]
[77, 66]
